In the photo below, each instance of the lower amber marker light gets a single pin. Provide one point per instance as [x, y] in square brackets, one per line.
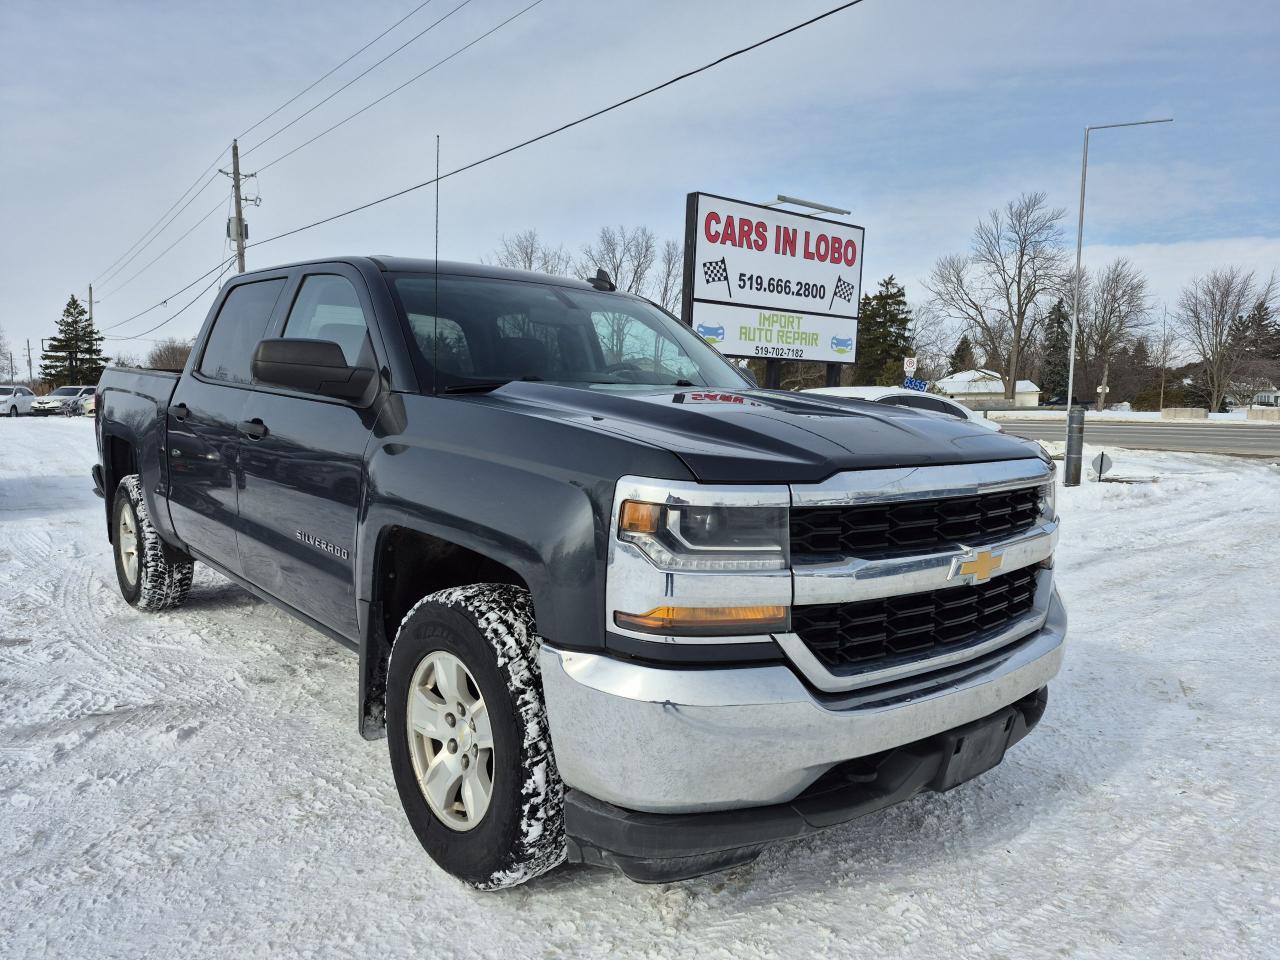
[706, 621]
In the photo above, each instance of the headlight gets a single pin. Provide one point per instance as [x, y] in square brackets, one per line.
[1049, 500]
[681, 537]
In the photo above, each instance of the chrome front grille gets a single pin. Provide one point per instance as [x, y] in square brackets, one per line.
[853, 638]
[900, 572]
[871, 531]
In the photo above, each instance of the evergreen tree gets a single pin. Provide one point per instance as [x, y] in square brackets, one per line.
[883, 335]
[1055, 364]
[75, 354]
[963, 357]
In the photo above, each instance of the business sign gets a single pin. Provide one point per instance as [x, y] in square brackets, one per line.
[761, 282]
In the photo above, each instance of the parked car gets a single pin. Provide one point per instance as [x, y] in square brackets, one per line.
[65, 400]
[914, 399]
[15, 400]
[612, 603]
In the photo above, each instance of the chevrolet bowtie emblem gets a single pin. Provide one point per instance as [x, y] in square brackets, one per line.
[979, 564]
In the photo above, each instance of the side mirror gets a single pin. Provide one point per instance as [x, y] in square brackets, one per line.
[311, 366]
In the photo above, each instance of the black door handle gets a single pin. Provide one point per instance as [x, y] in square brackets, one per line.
[254, 429]
[180, 411]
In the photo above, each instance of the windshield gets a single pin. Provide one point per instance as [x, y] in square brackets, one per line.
[489, 331]
[65, 392]
[5, 391]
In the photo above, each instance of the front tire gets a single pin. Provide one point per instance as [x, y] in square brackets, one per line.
[494, 821]
[152, 575]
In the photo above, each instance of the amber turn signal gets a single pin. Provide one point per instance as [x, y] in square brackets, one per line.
[639, 517]
[706, 621]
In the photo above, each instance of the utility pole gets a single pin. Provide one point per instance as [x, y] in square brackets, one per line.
[31, 377]
[1164, 350]
[238, 224]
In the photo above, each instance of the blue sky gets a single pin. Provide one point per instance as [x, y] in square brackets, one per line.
[919, 116]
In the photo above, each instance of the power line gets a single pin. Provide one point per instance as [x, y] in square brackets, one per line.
[566, 126]
[326, 76]
[116, 267]
[155, 236]
[395, 90]
[222, 269]
[165, 214]
[216, 207]
[494, 156]
[358, 76]
[165, 301]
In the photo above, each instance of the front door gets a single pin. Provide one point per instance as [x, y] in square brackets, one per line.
[203, 418]
[303, 477]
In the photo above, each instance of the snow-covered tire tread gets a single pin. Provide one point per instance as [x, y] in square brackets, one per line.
[504, 616]
[164, 579]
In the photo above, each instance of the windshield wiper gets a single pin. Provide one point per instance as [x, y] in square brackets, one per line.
[484, 386]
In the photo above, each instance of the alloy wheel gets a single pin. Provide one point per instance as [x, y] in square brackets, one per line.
[450, 740]
[128, 543]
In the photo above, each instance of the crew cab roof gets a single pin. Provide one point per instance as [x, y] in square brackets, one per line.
[422, 265]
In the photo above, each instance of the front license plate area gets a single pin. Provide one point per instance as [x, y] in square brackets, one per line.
[974, 749]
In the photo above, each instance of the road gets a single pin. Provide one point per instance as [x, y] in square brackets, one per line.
[1251, 440]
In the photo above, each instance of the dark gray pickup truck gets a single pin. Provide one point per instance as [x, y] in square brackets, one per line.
[613, 604]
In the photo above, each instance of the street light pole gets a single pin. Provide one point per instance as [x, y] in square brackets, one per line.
[1075, 306]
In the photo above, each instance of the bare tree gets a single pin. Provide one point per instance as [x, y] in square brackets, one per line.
[670, 277]
[125, 360]
[1211, 317]
[933, 337]
[520, 251]
[170, 354]
[526, 251]
[628, 254]
[1114, 310]
[998, 291]
[8, 367]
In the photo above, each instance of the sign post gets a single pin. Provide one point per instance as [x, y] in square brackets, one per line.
[771, 284]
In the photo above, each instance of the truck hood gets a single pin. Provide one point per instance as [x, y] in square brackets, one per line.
[764, 436]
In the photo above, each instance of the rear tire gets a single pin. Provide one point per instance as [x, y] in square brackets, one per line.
[152, 575]
[489, 630]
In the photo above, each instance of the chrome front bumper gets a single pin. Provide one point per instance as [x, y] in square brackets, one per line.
[664, 740]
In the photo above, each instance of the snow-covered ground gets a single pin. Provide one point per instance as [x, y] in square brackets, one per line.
[192, 784]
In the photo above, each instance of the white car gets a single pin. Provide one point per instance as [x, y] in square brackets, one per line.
[916, 400]
[15, 400]
[64, 400]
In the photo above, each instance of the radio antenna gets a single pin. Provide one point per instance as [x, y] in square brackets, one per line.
[435, 310]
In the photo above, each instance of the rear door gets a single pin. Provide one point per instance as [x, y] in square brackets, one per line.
[204, 421]
[303, 475]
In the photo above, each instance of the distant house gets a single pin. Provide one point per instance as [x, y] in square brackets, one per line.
[983, 388]
[1269, 398]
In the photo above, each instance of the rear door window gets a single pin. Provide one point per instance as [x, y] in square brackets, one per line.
[240, 324]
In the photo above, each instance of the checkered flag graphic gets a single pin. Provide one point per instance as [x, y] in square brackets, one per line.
[844, 291]
[717, 271]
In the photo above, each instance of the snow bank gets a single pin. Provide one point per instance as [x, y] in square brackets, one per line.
[191, 784]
